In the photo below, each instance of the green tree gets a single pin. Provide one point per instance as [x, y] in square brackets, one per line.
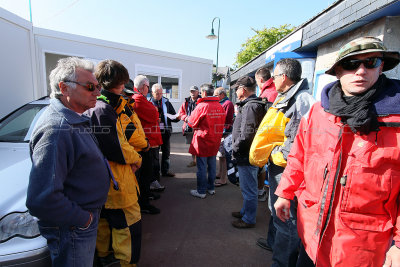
[260, 42]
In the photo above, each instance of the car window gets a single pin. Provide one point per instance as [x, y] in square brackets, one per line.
[18, 126]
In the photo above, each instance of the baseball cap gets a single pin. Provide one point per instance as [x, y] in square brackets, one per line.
[129, 88]
[245, 81]
[365, 45]
[194, 88]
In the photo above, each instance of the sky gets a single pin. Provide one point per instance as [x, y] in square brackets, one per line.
[177, 26]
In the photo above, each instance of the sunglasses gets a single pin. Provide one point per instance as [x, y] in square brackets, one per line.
[89, 86]
[274, 77]
[369, 63]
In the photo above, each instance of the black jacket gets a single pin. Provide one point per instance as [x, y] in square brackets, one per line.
[161, 110]
[251, 111]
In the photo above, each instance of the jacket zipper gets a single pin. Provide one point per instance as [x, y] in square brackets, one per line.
[333, 191]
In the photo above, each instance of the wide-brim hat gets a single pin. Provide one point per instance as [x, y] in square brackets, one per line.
[365, 45]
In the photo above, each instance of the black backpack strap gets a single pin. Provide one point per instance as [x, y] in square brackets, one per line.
[389, 124]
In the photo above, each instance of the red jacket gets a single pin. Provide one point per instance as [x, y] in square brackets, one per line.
[207, 120]
[268, 91]
[148, 115]
[347, 186]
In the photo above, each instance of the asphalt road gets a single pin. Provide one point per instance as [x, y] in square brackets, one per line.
[197, 232]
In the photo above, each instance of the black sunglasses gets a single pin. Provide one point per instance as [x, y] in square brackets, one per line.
[89, 86]
[369, 63]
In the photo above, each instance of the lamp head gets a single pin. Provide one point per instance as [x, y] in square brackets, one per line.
[212, 36]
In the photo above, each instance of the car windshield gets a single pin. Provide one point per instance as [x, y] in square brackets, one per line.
[18, 126]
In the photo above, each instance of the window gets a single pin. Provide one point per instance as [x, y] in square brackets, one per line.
[170, 80]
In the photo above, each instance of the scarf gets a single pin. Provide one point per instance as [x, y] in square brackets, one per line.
[356, 111]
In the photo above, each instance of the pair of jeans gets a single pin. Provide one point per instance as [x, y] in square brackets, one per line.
[249, 186]
[166, 151]
[206, 165]
[287, 241]
[71, 246]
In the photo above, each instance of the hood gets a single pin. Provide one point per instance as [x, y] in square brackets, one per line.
[15, 167]
[386, 103]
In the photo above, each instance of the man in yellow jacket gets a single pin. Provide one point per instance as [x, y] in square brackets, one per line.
[272, 144]
[119, 138]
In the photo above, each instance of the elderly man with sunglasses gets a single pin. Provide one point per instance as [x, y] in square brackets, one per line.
[344, 166]
[70, 177]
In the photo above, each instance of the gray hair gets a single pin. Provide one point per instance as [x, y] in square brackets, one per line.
[208, 88]
[291, 68]
[66, 71]
[155, 87]
[220, 90]
[140, 80]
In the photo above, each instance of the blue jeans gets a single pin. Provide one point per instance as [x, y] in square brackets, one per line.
[71, 246]
[249, 187]
[206, 165]
[287, 241]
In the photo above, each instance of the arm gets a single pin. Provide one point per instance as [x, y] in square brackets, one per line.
[145, 110]
[392, 257]
[182, 111]
[248, 128]
[195, 117]
[171, 111]
[52, 158]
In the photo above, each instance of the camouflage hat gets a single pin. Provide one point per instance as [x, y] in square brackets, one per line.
[365, 45]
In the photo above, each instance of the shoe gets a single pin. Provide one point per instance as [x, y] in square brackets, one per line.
[211, 192]
[155, 186]
[195, 193]
[242, 224]
[237, 214]
[263, 243]
[107, 261]
[191, 164]
[149, 209]
[153, 196]
[262, 197]
[169, 174]
[218, 184]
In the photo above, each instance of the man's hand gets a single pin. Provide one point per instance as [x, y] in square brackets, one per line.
[392, 257]
[134, 167]
[282, 207]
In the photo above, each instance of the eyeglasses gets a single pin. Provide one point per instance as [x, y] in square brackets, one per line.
[274, 77]
[89, 86]
[369, 63]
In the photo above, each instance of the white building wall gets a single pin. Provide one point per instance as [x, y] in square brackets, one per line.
[17, 68]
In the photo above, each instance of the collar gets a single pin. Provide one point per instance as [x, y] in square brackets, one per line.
[207, 99]
[70, 116]
[285, 97]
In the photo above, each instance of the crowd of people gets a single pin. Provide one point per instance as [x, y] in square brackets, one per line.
[332, 165]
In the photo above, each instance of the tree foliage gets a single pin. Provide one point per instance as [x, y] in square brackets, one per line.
[260, 42]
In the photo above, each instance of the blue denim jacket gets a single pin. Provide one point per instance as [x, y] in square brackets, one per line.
[69, 175]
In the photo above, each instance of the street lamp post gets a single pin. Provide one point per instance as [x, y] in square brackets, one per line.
[212, 36]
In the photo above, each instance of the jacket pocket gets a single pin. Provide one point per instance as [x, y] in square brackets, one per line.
[367, 222]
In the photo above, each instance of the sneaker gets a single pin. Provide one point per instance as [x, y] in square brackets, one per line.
[153, 196]
[155, 186]
[211, 192]
[169, 174]
[195, 193]
[262, 197]
[109, 260]
[263, 243]
[191, 164]
[149, 209]
[237, 214]
[242, 224]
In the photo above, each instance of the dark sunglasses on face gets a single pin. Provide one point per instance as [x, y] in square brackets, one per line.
[89, 86]
[369, 63]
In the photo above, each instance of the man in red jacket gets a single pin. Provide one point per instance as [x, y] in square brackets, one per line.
[207, 121]
[148, 116]
[344, 164]
[266, 84]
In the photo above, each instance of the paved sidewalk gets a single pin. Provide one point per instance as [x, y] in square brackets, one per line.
[198, 232]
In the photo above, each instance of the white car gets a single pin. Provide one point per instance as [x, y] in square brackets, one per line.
[20, 240]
